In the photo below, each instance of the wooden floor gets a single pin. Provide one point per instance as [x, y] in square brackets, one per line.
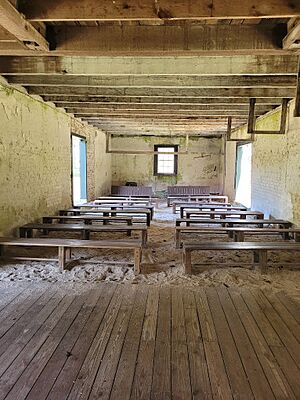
[144, 342]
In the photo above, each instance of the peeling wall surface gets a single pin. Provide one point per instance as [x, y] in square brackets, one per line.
[35, 159]
[276, 168]
[203, 166]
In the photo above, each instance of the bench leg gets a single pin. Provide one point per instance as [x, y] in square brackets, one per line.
[263, 261]
[144, 237]
[137, 260]
[1, 250]
[61, 258]
[297, 237]
[239, 237]
[255, 256]
[187, 262]
[68, 253]
[85, 234]
[174, 208]
[177, 239]
[148, 219]
[181, 212]
[129, 223]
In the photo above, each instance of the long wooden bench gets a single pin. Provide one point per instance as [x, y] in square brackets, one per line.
[206, 206]
[116, 202]
[204, 198]
[65, 247]
[26, 231]
[134, 191]
[119, 207]
[234, 222]
[86, 219]
[108, 213]
[259, 250]
[223, 214]
[238, 233]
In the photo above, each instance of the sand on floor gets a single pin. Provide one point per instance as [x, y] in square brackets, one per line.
[161, 265]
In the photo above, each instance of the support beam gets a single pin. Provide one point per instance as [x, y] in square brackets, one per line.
[163, 92]
[150, 81]
[251, 121]
[227, 65]
[292, 39]
[106, 10]
[180, 39]
[297, 101]
[70, 101]
[16, 24]
[229, 133]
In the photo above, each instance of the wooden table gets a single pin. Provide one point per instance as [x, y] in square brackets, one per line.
[233, 222]
[223, 214]
[86, 219]
[205, 198]
[207, 206]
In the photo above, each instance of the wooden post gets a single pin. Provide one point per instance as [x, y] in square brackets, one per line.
[187, 261]
[144, 237]
[263, 261]
[61, 257]
[177, 238]
[297, 101]
[251, 117]
[137, 260]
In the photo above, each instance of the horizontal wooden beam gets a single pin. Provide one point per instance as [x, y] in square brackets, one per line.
[92, 101]
[227, 65]
[180, 39]
[164, 92]
[150, 81]
[106, 10]
[91, 108]
[16, 25]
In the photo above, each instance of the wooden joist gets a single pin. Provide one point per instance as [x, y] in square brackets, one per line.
[292, 39]
[16, 24]
[88, 10]
[210, 65]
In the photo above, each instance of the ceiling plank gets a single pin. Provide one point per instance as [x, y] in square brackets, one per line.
[16, 24]
[159, 107]
[164, 92]
[149, 81]
[118, 10]
[210, 65]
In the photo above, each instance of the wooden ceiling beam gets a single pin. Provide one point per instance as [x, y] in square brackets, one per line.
[210, 65]
[106, 10]
[163, 92]
[181, 39]
[238, 114]
[20, 28]
[90, 101]
[292, 39]
[163, 81]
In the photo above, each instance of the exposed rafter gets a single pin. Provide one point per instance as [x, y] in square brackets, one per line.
[16, 24]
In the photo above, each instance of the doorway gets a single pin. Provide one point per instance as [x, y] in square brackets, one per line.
[243, 174]
[79, 173]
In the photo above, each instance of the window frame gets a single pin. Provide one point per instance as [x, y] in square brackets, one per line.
[158, 146]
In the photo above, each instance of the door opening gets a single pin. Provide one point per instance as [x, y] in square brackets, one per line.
[243, 174]
[79, 173]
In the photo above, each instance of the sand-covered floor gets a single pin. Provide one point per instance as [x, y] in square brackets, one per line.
[161, 265]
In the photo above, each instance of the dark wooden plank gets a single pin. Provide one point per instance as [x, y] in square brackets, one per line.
[69, 372]
[283, 357]
[236, 374]
[256, 377]
[8, 294]
[216, 367]
[13, 363]
[45, 361]
[290, 304]
[180, 373]
[122, 384]
[109, 363]
[285, 334]
[272, 370]
[141, 388]
[21, 324]
[161, 384]
[88, 371]
[200, 383]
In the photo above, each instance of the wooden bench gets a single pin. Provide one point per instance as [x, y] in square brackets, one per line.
[204, 198]
[26, 231]
[206, 206]
[107, 212]
[86, 219]
[65, 247]
[233, 222]
[119, 207]
[259, 250]
[133, 191]
[223, 214]
[238, 233]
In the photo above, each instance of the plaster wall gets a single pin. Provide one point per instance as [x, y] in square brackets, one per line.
[35, 159]
[202, 166]
[276, 167]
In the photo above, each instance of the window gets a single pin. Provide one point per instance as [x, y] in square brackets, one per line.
[165, 164]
